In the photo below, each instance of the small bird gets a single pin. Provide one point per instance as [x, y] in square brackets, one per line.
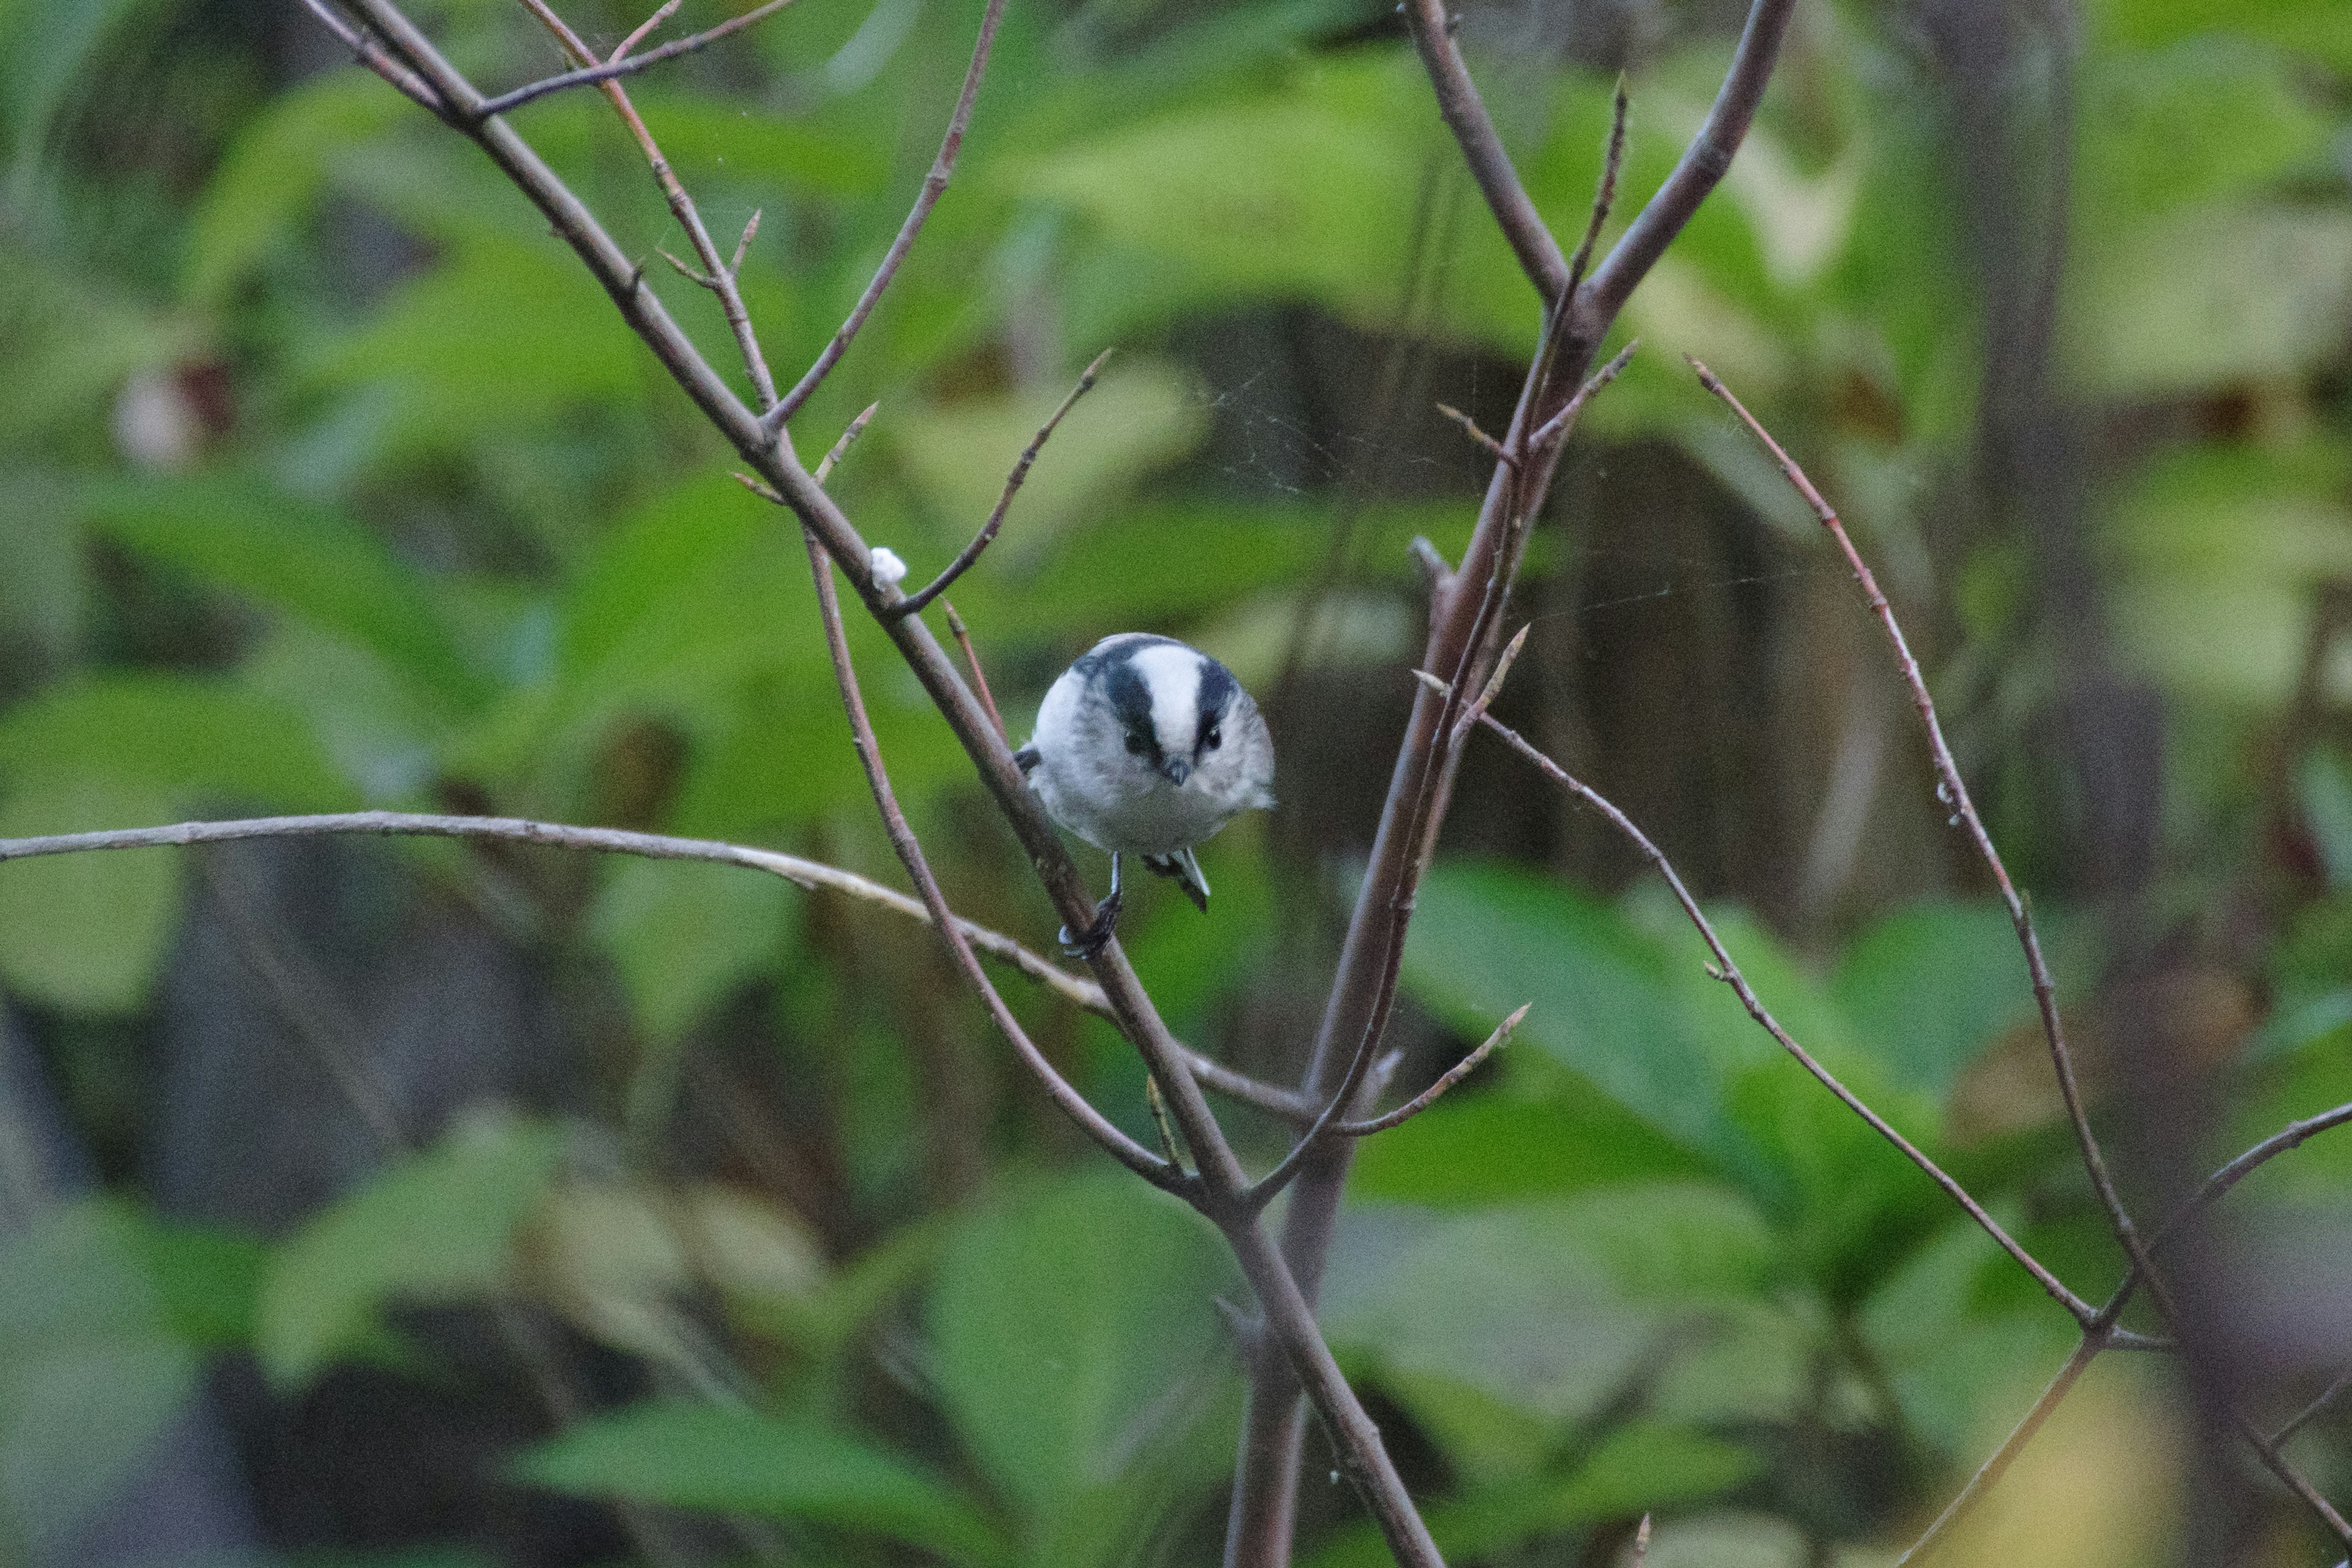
[1147, 747]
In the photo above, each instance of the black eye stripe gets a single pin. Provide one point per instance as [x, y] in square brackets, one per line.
[1131, 700]
[1217, 690]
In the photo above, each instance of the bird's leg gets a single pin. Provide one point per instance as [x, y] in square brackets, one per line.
[1099, 934]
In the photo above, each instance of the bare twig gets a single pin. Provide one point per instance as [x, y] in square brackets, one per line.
[1556, 428]
[1162, 1173]
[608, 70]
[1433, 570]
[1953, 790]
[667, 9]
[1604, 194]
[715, 275]
[2311, 1412]
[1494, 449]
[1641, 1542]
[1997, 1463]
[962, 635]
[934, 184]
[848, 439]
[1428, 1097]
[1482, 148]
[1420, 786]
[811, 874]
[914, 602]
[1700, 168]
[371, 54]
[1728, 970]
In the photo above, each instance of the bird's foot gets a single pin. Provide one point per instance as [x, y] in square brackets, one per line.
[1096, 937]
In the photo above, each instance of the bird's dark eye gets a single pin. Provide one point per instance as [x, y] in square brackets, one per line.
[1212, 740]
[1136, 744]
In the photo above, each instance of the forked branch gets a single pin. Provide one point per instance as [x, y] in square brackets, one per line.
[622, 63]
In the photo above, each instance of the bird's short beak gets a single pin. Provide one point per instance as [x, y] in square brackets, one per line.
[1177, 770]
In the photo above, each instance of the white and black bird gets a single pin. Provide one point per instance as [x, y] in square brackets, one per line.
[1147, 747]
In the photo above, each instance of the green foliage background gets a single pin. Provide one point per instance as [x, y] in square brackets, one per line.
[328, 479]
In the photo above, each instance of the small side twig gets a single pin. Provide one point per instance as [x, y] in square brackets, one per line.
[1604, 194]
[934, 184]
[608, 70]
[1428, 1097]
[1557, 427]
[669, 9]
[913, 603]
[963, 636]
[2311, 1412]
[856, 427]
[1997, 1464]
[715, 275]
[1728, 970]
[372, 54]
[1494, 449]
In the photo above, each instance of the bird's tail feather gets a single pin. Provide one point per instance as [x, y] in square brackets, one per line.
[1186, 870]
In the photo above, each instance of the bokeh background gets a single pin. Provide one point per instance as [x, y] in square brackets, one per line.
[449, 1205]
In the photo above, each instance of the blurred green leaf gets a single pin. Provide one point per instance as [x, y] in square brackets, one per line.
[86, 933]
[1486, 939]
[1544, 1307]
[1079, 1358]
[305, 560]
[1475, 1149]
[1929, 988]
[2230, 115]
[1635, 1469]
[506, 334]
[684, 934]
[44, 45]
[273, 175]
[93, 1374]
[735, 1461]
[198, 742]
[2218, 548]
[2208, 298]
[1142, 414]
[436, 1225]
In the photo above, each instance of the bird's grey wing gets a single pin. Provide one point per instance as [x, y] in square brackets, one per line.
[1186, 870]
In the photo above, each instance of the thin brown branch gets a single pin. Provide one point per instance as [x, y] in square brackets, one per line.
[1953, 790]
[856, 427]
[609, 70]
[371, 54]
[743, 241]
[1699, 170]
[2292, 1136]
[669, 9]
[1466, 115]
[1162, 1173]
[1604, 194]
[1556, 428]
[716, 275]
[1428, 1097]
[813, 875]
[1997, 1464]
[2311, 1412]
[1727, 969]
[914, 602]
[1494, 449]
[962, 635]
[934, 184]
